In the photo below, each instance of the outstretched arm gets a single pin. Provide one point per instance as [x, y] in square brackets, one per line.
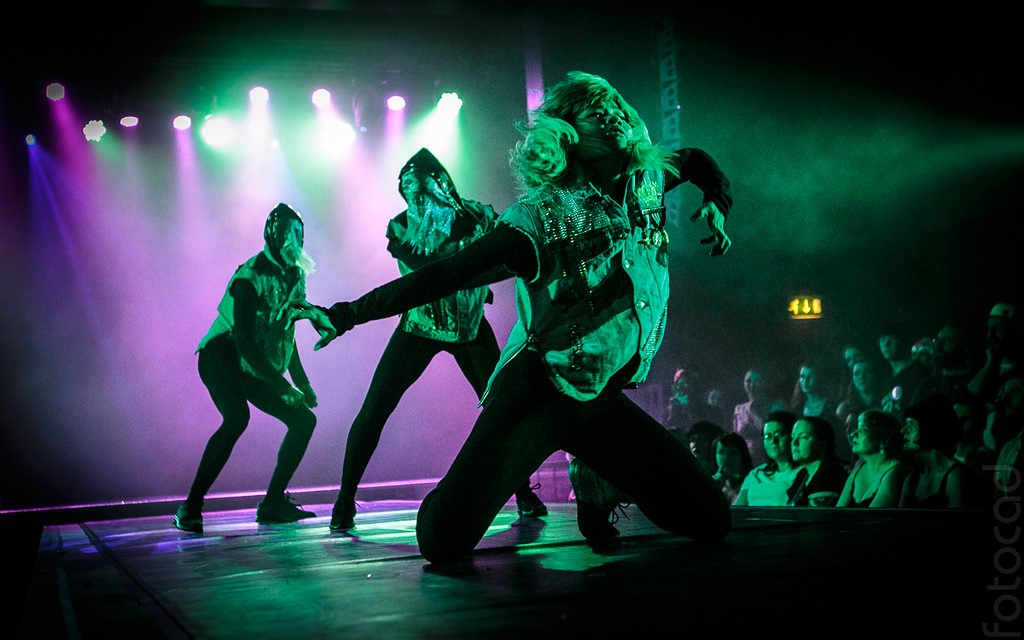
[496, 256]
[698, 167]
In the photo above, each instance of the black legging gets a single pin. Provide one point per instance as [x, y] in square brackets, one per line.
[524, 420]
[232, 389]
[404, 360]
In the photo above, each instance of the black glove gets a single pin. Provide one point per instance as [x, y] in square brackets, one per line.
[342, 316]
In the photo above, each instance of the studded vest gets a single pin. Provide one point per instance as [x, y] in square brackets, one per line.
[455, 318]
[276, 289]
[597, 305]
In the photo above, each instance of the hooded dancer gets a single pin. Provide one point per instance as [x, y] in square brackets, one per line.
[436, 224]
[242, 360]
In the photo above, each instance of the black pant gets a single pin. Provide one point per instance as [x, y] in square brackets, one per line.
[232, 390]
[524, 421]
[404, 360]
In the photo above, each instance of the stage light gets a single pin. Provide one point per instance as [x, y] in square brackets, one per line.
[181, 123]
[55, 91]
[450, 102]
[94, 130]
[30, 140]
[334, 137]
[321, 98]
[396, 103]
[259, 95]
[129, 121]
[217, 131]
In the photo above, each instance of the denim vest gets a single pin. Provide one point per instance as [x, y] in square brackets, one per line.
[455, 318]
[276, 289]
[599, 299]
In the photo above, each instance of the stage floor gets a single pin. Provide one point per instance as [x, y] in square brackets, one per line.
[816, 573]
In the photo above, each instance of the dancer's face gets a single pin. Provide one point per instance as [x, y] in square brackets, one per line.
[291, 242]
[603, 131]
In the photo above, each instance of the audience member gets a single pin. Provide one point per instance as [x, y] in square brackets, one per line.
[733, 459]
[852, 354]
[970, 447]
[748, 417]
[938, 480]
[1004, 353]
[877, 480]
[814, 394]
[1006, 418]
[952, 363]
[701, 439]
[688, 403]
[1007, 473]
[766, 484]
[822, 475]
[907, 373]
[869, 387]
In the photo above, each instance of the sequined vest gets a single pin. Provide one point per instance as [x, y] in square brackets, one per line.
[275, 290]
[455, 318]
[597, 306]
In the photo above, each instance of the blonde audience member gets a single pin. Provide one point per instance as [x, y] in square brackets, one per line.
[877, 480]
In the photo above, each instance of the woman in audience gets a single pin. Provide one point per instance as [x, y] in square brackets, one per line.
[749, 417]
[822, 475]
[877, 480]
[870, 385]
[766, 485]
[733, 459]
[701, 439]
[815, 394]
[939, 481]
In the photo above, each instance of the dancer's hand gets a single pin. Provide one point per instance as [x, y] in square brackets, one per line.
[318, 317]
[293, 397]
[308, 395]
[716, 223]
[341, 317]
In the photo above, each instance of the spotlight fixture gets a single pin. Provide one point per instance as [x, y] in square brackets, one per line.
[450, 101]
[94, 130]
[396, 103]
[259, 95]
[321, 97]
[181, 123]
[55, 91]
[30, 140]
[129, 121]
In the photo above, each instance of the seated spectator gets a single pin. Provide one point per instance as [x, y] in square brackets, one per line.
[970, 446]
[701, 439]
[687, 404]
[938, 480]
[1006, 478]
[749, 417]
[1008, 471]
[908, 372]
[1006, 417]
[822, 475]
[815, 394]
[1004, 353]
[766, 484]
[877, 480]
[870, 386]
[952, 363]
[734, 464]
